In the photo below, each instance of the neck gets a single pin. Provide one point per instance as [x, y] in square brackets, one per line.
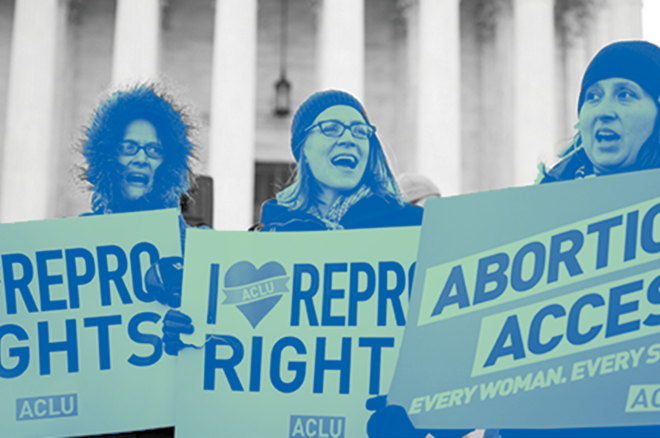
[326, 198]
[144, 203]
[599, 171]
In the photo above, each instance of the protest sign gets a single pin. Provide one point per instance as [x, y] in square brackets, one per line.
[298, 330]
[80, 348]
[537, 307]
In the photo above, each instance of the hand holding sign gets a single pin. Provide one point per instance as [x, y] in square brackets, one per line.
[389, 420]
[174, 324]
[590, 297]
[164, 279]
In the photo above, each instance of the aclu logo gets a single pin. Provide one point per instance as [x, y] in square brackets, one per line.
[643, 398]
[49, 406]
[255, 291]
[309, 426]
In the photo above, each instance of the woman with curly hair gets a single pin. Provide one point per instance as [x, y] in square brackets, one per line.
[138, 152]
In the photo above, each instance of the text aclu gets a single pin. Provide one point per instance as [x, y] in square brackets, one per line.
[49, 406]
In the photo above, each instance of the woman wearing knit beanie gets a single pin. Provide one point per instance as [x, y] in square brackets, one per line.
[342, 180]
[618, 112]
[618, 128]
[619, 121]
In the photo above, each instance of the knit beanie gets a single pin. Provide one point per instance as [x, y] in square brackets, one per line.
[310, 110]
[638, 61]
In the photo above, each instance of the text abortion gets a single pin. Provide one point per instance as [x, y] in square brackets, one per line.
[582, 266]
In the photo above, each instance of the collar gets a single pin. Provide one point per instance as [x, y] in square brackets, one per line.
[360, 215]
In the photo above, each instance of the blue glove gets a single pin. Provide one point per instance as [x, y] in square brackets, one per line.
[164, 281]
[174, 324]
[392, 421]
[389, 421]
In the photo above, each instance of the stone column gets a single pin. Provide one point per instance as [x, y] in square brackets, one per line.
[407, 114]
[613, 20]
[233, 113]
[26, 187]
[534, 76]
[340, 46]
[625, 19]
[137, 41]
[438, 108]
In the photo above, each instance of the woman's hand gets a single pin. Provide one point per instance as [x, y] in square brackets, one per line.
[392, 421]
[174, 324]
[164, 281]
[389, 421]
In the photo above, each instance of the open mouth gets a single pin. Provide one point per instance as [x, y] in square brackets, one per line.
[345, 160]
[137, 178]
[607, 135]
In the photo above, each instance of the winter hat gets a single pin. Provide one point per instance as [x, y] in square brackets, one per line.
[310, 110]
[638, 61]
[416, 187]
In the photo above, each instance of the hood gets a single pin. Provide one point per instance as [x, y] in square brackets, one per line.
[106, 129]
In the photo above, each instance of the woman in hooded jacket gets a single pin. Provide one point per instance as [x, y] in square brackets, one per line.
[138, 153]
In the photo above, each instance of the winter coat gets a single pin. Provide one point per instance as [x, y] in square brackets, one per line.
[574, 166]
[371, 212]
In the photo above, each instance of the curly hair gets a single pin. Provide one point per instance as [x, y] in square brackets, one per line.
[99, 143]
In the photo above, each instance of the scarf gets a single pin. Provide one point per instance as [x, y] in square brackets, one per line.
[340, 207]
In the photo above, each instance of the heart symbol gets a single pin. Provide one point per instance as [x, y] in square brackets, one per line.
[248, 288]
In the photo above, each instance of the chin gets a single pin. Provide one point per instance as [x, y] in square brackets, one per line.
[350, 184]
[132, 195]
[610, 167]
[611, 163]
[347, 186]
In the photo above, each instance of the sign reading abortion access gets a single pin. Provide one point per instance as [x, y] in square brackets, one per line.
[537, 307]
[298, 329]
[80, 351]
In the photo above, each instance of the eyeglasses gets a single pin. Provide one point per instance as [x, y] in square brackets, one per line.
[335, 128]
[153, 150]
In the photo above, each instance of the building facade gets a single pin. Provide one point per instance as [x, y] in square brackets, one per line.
[471, 93]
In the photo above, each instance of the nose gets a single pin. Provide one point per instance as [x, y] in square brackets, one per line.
[607, 109]
[140, 157]
[347, 137]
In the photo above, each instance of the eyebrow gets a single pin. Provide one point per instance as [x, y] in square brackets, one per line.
[354, 122]
[626, 83]
[621, 83]
[138, 144]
